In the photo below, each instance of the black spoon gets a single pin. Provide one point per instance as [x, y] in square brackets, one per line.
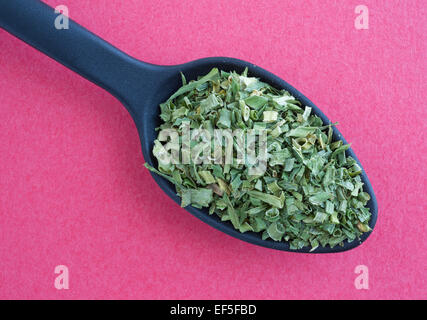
[141, 87]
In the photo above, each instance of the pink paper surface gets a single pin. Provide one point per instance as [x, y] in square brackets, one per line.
[73, 190]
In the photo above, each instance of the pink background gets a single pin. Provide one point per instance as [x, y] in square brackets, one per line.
[74, 191]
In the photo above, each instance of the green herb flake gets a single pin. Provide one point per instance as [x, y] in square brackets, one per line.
[309, 194]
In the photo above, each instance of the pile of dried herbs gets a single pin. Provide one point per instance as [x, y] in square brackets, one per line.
[310, 193]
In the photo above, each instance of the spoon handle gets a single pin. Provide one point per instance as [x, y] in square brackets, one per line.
[76, 48]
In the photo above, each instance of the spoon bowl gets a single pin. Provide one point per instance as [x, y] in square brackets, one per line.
[142, 87]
